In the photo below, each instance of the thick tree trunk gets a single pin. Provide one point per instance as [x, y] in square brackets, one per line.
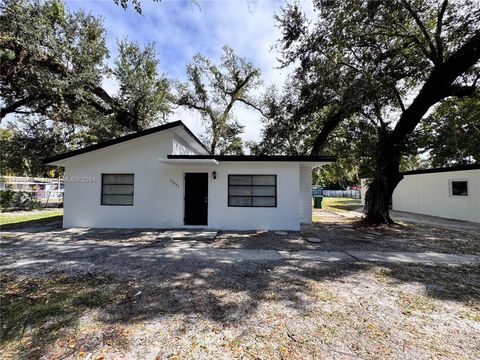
[438, 86]
[386, 178]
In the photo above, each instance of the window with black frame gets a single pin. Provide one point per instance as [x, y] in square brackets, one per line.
[458, 187]
[117, 189]
[252, 190]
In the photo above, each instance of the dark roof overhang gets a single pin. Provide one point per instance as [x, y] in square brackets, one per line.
[295, 158]
[443, 169]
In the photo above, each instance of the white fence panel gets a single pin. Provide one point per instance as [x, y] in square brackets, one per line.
[354, 194]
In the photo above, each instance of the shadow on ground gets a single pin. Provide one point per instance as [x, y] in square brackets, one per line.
[44, 297]
[347, 207]
[53, 222]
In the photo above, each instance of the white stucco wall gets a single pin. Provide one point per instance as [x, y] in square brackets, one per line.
[159, 189]
[283, 217]
[181, 147]
[430, 194]
[305, 194]
[152, 190]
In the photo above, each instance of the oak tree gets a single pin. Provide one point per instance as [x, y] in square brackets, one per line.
[53, 63]
[386, 62]
[213, 90]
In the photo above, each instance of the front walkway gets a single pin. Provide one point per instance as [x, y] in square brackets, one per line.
[182, 250]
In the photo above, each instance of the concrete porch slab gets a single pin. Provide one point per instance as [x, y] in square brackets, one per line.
[187, 235]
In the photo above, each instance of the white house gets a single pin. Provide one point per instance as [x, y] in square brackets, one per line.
[452, 193]
[165, 177]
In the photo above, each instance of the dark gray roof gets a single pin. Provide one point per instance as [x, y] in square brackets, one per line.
[299, 158]
[443, 169]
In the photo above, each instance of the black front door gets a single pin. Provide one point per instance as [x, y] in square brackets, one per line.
[196, 199]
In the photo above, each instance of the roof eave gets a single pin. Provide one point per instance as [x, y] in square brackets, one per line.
[467, 167]
[54, 160]
[262, 158]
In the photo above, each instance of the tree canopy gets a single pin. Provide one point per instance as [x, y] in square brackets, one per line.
[385, 63]
[213, 90]
[53, 63]
[450, 134]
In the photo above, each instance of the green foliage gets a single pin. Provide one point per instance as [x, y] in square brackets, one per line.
[451, 133]
[26, 142]
[385, 63]
[363, 58]
[213, 90]
[18, 200]
[413, 162]
[53, 63]
[137, 4]
[284, 132]
[142, 92]
[45, 48]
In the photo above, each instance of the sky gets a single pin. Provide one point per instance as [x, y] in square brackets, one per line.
[181, 29]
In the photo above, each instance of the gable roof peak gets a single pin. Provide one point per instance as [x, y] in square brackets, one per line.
[124, 138]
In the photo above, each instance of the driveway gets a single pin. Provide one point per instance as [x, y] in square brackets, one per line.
[407, 217]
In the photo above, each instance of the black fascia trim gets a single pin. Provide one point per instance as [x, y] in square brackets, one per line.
[305, 158]
[444, 169]
[123, 139]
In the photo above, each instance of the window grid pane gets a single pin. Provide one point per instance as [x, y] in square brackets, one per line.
[460, 188]
[264, 201]
[240, 180]
[117, 189]
[264, 191]
[241, 190]
[264, 180]
[117, 179]
[117, 200]
[252, 190]
[240, 201]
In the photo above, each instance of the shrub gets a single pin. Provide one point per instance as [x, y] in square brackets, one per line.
[18, 200]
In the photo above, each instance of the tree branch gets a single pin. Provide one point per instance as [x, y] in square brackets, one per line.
[438, 86]
[330, 125]
[461, 91]
[16, 105]
[246, 102]
[399, 98]
[418, 21]
[438, 31]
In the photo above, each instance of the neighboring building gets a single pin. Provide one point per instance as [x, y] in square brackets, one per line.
[48, 191]
[452, 193]
[165, 177]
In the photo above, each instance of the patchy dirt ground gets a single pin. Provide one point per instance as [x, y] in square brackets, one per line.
[339, 233]
[78, 294]
[248, 310]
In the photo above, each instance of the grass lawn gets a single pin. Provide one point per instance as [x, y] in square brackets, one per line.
[340, 204]
[25, 216]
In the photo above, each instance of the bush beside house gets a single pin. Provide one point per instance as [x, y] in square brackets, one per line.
[18, 200]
